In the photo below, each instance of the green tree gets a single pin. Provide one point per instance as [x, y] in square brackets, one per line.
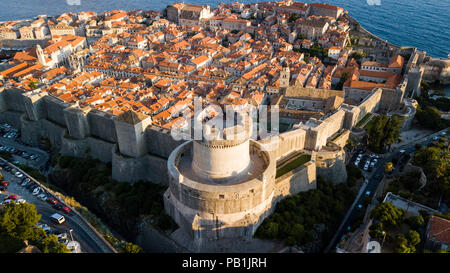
[50, 244]
[413, 238]
[376, 230]
[18, 221]
[402, 245]
[388, 167]
[384, 132]
[429, 117]
[131, 248]
[415, 222]
[387, 213]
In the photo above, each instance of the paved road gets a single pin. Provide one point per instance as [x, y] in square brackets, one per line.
[373, 180]
[83, 233]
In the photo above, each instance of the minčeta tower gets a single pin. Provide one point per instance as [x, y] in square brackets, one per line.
[221, 186]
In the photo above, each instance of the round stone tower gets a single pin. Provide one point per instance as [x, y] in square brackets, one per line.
[221, 186]
[223, 153]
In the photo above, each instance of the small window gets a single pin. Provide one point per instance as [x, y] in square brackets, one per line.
[221, 196]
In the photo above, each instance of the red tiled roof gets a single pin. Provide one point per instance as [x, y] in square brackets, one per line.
[439, 229]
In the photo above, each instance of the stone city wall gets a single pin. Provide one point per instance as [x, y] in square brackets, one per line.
[19, 44]
[77, 123]
[302, 178]
[101, 125]
[54, 132]
[146, 168]
[30, 132]
[3, 105]
[101, 149]
[12, 117]
[74, 147]
[14, 99]
[331, 164]
[370, 104]
[55, 110]
[160, 142]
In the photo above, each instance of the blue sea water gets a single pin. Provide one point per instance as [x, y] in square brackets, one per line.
[424, 24]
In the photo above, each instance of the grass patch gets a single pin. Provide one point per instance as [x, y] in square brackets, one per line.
[369, 124]
[302, 159]
[361, 122]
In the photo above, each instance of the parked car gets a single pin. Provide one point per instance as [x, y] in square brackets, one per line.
[62, 237]
[2, 189]
[42, 196]
[66, 209]
[21, 201]
[58, 206]
[57, 218]
[37, 190]
[46, 228]
[12, 196]
[5, 183]
[52, 200]
[19, 175]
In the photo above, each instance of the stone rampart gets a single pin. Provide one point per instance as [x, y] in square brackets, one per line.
[55, 110]
[14, 99]
[74, 147]
[101, 149]
[54, 132]
[101, 125]
[145, 168]
[77, 123]
[302, 178]
[370, 104]
[12, 117]
[19, 43]
[160, 142]
[331, 165]
[30, 132]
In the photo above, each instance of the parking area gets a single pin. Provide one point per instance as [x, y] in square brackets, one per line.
[17, 187]
[366, 161]
[9, 132]
[22, 154]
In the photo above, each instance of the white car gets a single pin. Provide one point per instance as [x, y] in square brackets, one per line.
[45, 227]
[7, 201]
[19, 175]
[42, 196]
[37, 191]
[62, 237]
[21, 201]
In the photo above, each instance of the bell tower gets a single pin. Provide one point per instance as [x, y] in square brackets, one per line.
[40, 55]
[285, 76]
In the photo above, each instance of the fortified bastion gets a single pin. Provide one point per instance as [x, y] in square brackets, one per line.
[220, 186]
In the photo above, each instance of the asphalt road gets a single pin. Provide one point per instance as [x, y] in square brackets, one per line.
[88, 239]
[373, 181]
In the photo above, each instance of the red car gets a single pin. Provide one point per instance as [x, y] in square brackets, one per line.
[13, 197]
[66, 209]
[5, 183]
[52, 200]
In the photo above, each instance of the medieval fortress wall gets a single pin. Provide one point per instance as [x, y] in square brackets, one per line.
[219, 188]
[88, 132]
[133, 149]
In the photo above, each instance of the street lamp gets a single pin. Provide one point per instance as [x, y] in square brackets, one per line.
[70, 231]
[384, 236]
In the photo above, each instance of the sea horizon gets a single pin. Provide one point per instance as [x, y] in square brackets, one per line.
[401, 22]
